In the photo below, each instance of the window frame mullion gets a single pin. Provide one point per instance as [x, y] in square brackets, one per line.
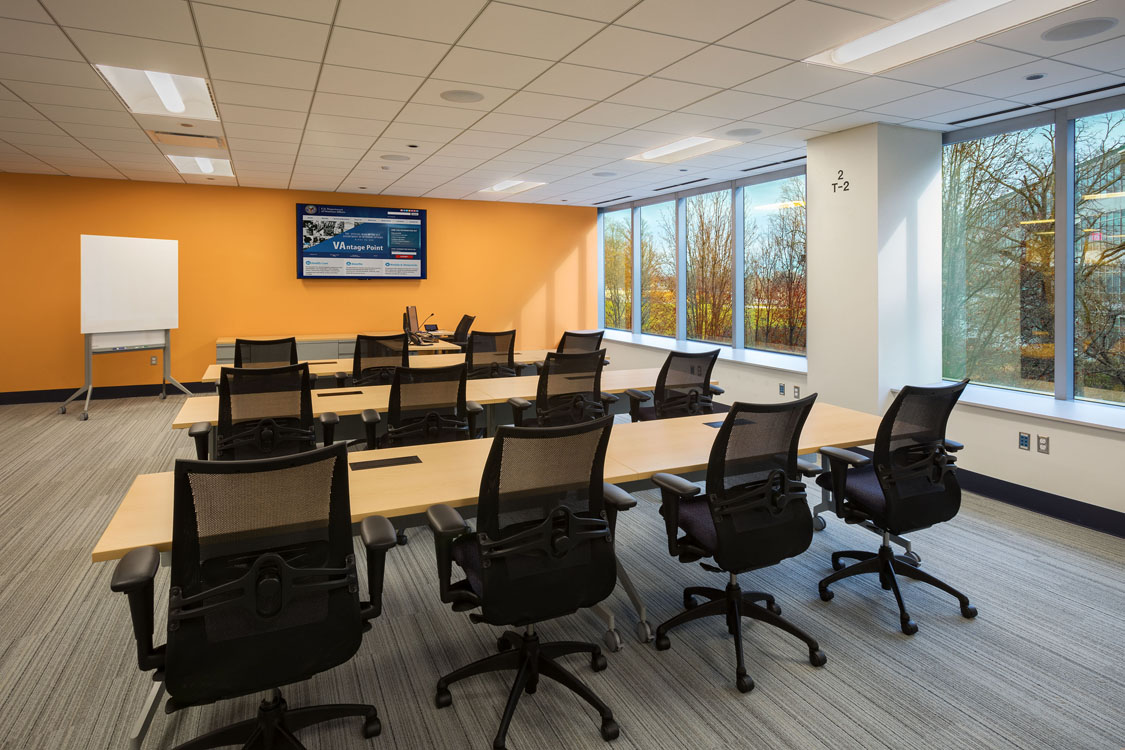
[738, 230]
[1064, 256]
[635, 216]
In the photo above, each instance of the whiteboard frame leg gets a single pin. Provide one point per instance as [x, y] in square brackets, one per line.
[167, 377]
[88, 388]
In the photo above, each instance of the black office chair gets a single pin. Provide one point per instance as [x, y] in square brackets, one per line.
[753, 515]
[265, 352]
[575, 341]
[543, 548]
[426, 405]
[263, 412]
[461, 333]
[263, 591]
[375, 360]
[569, 391]
[683, 389]
[491, 354]
[909, 484]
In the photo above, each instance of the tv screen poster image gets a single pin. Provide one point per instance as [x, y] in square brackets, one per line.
[360, 242]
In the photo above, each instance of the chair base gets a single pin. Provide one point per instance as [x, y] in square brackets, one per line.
[275, 726]
[889, 565]
[734, 604]
[530, 659]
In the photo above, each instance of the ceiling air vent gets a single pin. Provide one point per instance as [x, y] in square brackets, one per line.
[167, 138]
[680, 184]
[775, 163]
[612, 200]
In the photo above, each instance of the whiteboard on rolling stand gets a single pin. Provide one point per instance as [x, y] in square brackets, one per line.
[130, 290]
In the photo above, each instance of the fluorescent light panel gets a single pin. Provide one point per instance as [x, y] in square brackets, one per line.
[150, 92]
[936, 29]
[202, 165]
[511, 187]
[685, 148]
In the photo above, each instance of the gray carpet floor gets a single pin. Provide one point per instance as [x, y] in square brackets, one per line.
[1041, 667]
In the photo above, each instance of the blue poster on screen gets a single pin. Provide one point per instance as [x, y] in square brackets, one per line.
[360, 242]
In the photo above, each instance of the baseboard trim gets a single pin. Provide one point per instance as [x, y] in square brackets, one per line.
[58, 395]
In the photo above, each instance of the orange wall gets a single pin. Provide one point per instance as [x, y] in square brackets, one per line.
[522, 266]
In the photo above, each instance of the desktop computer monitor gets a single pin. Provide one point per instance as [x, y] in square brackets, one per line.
[411, 318]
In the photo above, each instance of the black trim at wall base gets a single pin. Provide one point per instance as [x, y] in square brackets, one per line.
[1056, 506]
[58, 395]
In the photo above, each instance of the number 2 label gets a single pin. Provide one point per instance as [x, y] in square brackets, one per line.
[841, 185]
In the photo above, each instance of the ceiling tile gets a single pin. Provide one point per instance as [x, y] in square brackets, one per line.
[170, 21]
[101, 48]
[342, 155]
[355, 106]
[261, 69]
[430, 93]
[799, 114]
[227, 28]
[552, 145]
[415, 133]
[550, 106]
[272, 97]
[488, 68]
[607, 151]
[922, 106]
[10, 108]
[581, 81]
[579, 131]
[854, 120]
[319, 138]
[42, 93]
[235, 113]
[263, 132]
[22, 125]
[685, 123]
[1028, 38]
[956, 65]
[343, 124]
[1014, 81]
[261, 147]
[640, 139]
[405, 146]
[40, 139]
[437, 160]
[891, 9]
[435, 20]
[25, 10]
[801, 29]
[1072, 88]
[617, 115]
[429, 114]
[43, 70]
[393, 54]
[259, 156]
[737, 105]
[470, 152]
[335, 79]
[40, 39]
[869, 92]
[659, 93]
[514, 124]
[320, 11]
[721, 66]
[794, 138]
[987, 111]
[598, 10]
[521, 156]
[799, 80]
[523, 31]
[135, 147]
[703, 20]
[484, 138]
[632, 51]
[1104, 56]
[61, 114]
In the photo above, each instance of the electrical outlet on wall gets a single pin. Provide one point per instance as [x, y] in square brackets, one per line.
[796, 391]
[1025, 441]
[781, 389]
[1044, 443]
[152, 360]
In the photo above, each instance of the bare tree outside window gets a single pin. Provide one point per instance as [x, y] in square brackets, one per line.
[710, 267]
[658, 269]
[617, 232]
[775, 265]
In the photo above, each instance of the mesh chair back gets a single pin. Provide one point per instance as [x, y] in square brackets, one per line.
[570, 388]
[263, 580]
[265, 352]
[461, 333]
[683, 387]
[756, 498]
[545, 544]
[376, 358]
[915, 471]
[491, 354]
[574, 341]
[427, 404]
[264, 412]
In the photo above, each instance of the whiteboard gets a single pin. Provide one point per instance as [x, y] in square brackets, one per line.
[129, 284]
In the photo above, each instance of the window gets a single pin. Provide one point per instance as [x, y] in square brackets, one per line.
[774, 269]
[998, 235]
[617, 232]
[1099, 257]
[658, 269]
[710, 267]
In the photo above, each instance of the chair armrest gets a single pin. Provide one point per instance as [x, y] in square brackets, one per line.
[370, 419]
[609, 398]
[838, 462]
[473, 407]
[378, 537]
[444, 521]
[134, 576]
[636, 398]
[672, 490]
[850, 458]
[809, 469]
[617, 498]
[519, 406]
[201, 433]
[675, 485]
[328, 422]
[716, 390]
[473, 410]
[341, 379]
[447, 524]
[953, 446]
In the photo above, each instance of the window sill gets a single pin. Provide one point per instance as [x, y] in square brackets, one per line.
[750, 357]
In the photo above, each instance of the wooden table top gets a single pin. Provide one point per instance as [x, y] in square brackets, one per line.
[333, 366]
[450, 472]
[347, 401]
[307, 337]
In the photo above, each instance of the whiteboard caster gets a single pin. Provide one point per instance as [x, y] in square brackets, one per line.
[819, 523]
[83, 416]
[163, 396]
[62, 410]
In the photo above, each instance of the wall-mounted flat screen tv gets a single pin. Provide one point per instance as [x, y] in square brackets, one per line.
[360, 242]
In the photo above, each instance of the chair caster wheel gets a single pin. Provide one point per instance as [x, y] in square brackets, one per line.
[968, 611]
[372, 727]
[909, 627]
[690, 602]
[598, 662]
[817, 658]
[443, 698]
[83, 416]
[62, 410]
[610, 730]
[745, 683]
[826, 595]
[612, 641]
[775, 608]
[662, 642]
[644, 631]
[836, 564]
[915, 557]
[400, 538]
[819, 524]
[502, 644]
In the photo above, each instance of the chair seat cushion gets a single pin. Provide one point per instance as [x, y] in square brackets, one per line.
[695, 519]
[862, 489]
[648, 413]
[466, 553]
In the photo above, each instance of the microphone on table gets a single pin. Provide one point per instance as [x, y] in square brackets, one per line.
[427, 320]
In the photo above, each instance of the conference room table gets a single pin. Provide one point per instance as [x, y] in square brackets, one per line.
[436, 347]
[329, 367]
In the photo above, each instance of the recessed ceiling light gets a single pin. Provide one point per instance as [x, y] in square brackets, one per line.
[936, 29]
[1068, 32]
[412, 145]
[462, 96]
[395, 157]
[201, 165]
[149, 92]
[605, 174]
[685, 148]
[362, 187]
[743, 132]
[1035, 77]
[512, 186]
